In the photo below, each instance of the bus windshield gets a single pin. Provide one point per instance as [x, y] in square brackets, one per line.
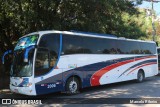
[20, 67]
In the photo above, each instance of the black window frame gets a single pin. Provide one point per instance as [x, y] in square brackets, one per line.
[127, 44]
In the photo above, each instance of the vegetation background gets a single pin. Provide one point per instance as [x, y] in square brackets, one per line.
[117, 17]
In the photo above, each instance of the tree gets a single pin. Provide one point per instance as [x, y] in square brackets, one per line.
[19, 17]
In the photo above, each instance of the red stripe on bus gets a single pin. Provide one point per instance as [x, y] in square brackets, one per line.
[142, 66]
[97, 75]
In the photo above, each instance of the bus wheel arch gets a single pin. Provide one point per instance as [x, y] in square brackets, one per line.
[73, 85]
[140, 75]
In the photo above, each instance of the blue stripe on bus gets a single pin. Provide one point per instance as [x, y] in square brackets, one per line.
[140, 63]
[27, 50]
[48, 88]
[5, 53]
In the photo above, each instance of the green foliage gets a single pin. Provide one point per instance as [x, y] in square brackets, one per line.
[117, 17]
[20, 17]
[134, 25]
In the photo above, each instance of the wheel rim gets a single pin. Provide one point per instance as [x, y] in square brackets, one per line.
[73, 86]
[140, 76]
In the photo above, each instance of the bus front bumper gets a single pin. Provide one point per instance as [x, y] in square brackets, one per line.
[23, 90]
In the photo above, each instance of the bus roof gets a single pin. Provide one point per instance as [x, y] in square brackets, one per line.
[88, 34]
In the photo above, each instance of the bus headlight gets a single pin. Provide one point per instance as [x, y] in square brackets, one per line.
[27, 84]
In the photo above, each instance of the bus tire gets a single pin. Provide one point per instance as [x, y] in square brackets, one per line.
[72, 86]
[140, 76]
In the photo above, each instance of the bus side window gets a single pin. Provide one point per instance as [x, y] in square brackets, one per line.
[51, 42]
[41, 62]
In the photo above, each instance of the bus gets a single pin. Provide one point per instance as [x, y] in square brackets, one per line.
[67, 61]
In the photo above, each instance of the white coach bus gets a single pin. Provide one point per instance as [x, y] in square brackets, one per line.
[51, 61]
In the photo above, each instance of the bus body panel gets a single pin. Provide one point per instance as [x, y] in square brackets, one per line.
[52, 82]
[55, 80]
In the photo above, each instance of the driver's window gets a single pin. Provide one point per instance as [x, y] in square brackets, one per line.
[51, 42]
[46, 59]
[42, 62]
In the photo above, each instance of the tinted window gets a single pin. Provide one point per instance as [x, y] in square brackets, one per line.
[87, 45]
[51, 42]
[148, 48]
[42, 62]
[47, 54]
[100, 45]
[90, 45]
[123, 47]
[72, 44]
[109, 46]
[134, 47]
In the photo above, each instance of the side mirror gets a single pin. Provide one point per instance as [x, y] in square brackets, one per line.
[6, 53]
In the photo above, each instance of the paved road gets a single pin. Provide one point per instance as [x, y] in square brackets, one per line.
[150, 88]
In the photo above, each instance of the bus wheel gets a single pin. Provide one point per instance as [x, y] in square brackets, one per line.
[140, 76]
[72, 86]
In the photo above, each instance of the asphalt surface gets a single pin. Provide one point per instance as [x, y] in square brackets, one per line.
[150, 88]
